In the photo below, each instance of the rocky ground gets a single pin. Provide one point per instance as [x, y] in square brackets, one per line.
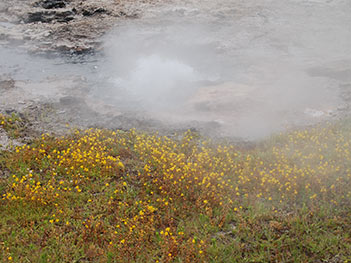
[61, 28]
[59, 103]
[68, 111]
[71, 26]
[254, 45]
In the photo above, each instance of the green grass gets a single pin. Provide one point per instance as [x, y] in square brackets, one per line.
[105, 196]
[12, 124]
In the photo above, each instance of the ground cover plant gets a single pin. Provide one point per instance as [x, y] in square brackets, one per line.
[116, 196]
[12, 124]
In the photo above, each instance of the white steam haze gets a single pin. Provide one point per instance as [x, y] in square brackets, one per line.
[249, 67]
[236, 68]
[157, 92]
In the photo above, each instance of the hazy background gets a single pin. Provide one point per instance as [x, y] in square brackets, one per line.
[253, 67]
[244, 68]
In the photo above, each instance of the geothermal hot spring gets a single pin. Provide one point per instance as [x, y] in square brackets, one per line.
[244, 68]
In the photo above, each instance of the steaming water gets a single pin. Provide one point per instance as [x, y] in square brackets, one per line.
[248, 67]
[20, 65]
[252, 67]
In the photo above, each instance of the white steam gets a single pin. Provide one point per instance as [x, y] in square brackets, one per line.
[252, 68]
[158, 82]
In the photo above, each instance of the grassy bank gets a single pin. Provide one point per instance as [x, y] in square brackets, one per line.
[12, 124]
[113, 196]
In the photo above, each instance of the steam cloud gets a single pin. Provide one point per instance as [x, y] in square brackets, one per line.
[251, 75]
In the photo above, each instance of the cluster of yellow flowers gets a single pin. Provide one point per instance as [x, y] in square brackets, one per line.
[4, 120]
[27, 188]
[134, 190]
[10, 123]
[312, 163]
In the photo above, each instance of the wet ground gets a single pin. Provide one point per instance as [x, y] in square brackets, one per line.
[238, 69]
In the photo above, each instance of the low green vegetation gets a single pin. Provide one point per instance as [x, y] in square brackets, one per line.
[12, 124]
[114, 196]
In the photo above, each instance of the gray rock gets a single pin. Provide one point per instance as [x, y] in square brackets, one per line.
[51, 4]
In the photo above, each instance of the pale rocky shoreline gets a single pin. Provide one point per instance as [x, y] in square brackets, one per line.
[52, 88]
[65, 28]
[70, 26]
